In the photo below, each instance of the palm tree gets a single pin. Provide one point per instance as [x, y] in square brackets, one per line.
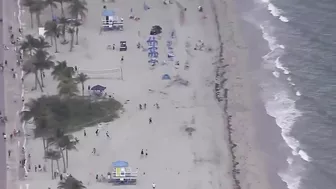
[28, 68]
[62, 7]
[71, 31]
[53, 155]
[63, 23]
[67, 143]
[81, 78]
[67, 87]
[70, 183]
[29, 44]
[37, 8]
[62, 71]
[29, 4]
[43, 61]
[52, 31]
[52, 5]
[78, 8]
[77, 24]
[41, 43]
[36, 110]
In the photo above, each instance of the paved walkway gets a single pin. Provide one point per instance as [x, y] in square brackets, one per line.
[3, 153]
[10, 100]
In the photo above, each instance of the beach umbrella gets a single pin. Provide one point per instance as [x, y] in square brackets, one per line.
[151, 48]
[153, 61]
[165, 77]
[151, 38]
[120, 164]
[98, 88]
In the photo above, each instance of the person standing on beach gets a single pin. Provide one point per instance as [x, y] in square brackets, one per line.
[84, 132]
[150, 120]
[145, 105]
[97, 132]
[107, 134]
[153, 185]
[9, 153]
[140, 106]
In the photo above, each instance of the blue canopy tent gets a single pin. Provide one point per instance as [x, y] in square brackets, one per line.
[166, 77]
[98, 88]
[120, 164]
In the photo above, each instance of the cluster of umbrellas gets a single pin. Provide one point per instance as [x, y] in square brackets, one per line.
[152, 50]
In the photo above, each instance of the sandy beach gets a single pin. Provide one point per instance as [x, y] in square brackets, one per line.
[208, 94]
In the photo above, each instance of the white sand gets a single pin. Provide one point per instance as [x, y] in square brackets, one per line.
[175, 159]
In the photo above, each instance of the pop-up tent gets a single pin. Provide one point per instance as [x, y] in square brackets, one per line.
[98, 88]
[166, 77]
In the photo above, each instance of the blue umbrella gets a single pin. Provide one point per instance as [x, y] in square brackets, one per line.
[98, 88]
[152, 48]
[120, 164]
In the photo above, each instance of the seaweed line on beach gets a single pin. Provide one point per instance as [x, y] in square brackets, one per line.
[222, 96]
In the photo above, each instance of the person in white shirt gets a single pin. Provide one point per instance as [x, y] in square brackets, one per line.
[153, 185]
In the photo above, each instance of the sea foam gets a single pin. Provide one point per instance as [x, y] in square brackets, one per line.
[275, 11]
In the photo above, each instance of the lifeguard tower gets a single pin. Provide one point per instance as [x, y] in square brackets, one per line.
[111, 22]
[122, 174]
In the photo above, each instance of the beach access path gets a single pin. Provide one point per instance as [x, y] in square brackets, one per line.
[3, 153]
[12, 99]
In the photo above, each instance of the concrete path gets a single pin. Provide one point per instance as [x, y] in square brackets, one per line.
[3, 153]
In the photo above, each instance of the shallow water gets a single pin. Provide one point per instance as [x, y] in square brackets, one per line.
[298, 84]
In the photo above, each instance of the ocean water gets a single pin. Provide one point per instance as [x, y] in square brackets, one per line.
[298, 85]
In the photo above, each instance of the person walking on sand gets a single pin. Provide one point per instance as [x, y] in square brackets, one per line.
[122, 59]
[153, 185]
[107, 134]
[9, 153]
[145, 105]
[84, 132]
[97, 132]
[142, 153]
[150, 120]
[140, 106]
[94, 151]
